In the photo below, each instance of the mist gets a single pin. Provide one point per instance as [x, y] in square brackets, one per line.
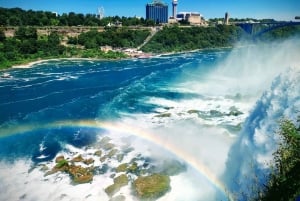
[220, 124]
[248, 69]
[262, 81]
[250, 157]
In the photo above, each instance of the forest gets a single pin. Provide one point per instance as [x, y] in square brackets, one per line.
[114, 37]
[20, 17]
[176, 39]
[27, 45]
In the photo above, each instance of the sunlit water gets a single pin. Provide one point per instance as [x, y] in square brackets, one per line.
[208, 110]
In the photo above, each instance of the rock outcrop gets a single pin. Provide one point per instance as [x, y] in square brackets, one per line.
[119, 182]
[78, 174]
[151, 187]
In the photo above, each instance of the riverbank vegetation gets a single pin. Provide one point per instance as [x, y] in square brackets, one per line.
[177, 39]
[284, 181]
[114, 37]
[27, 36]
[281, 33]
[27, 45]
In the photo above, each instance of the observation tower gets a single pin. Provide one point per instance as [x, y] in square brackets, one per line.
[174, 4]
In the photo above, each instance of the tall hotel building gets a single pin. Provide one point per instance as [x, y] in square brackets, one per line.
[157, 11]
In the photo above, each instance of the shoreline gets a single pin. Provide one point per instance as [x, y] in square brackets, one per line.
[40, 61]
[30, 64]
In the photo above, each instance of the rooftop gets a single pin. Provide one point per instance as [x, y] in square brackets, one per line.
[158, 3]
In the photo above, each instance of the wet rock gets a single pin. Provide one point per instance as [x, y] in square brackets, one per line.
[108, 146]
[53, 171]
[83, 179]
[164, 115]
[59, 158]
[128, 150]
[105, 140]
[61, 166]
[151, 187]
[215, 113]
[98, 153]
[112, 153]
[44, 168]
[78, 158]
[88, 161]
[80, 175]
[120, 157]
[133, 168]
[102, 159]
[193, 111]
[119, 182]
[122, 167]
[105, 143]
[234, 111]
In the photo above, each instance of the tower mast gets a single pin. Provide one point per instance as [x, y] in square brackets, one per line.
[174, 3]
[101, 12]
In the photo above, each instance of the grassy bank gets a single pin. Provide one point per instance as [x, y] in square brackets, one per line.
[27, 45]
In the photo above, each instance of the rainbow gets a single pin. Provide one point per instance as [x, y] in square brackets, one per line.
[125, 129]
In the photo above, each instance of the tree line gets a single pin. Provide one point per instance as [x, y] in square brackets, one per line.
[27, 45]
[281, 33]
[115, 37]
[20, 17]
[176, 39]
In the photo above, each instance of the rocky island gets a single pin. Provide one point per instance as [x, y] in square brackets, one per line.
[147, 178]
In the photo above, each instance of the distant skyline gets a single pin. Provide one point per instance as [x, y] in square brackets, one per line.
[258, 9]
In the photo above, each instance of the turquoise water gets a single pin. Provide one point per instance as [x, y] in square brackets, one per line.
[197, 108]
[75, 90]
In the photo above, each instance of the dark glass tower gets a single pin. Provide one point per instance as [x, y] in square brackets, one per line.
[157, 11]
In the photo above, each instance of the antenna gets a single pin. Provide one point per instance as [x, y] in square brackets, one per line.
[101, 12]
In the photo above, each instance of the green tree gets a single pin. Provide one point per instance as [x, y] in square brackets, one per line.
[284, 183]
[53, 39]
[63, 20]
[2, 36]
[24, 33]
[14, 21]
[176, 38]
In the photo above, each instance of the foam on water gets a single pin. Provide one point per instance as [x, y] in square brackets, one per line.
[30, 183]
[259, 139]
[176, 107]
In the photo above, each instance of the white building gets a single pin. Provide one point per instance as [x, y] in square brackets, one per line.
[194, 18]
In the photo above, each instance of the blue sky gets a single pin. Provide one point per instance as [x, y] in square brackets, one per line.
[276, 9]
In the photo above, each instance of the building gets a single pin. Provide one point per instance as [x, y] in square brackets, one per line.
[194, 18]
[174, 4]
[157, 11]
